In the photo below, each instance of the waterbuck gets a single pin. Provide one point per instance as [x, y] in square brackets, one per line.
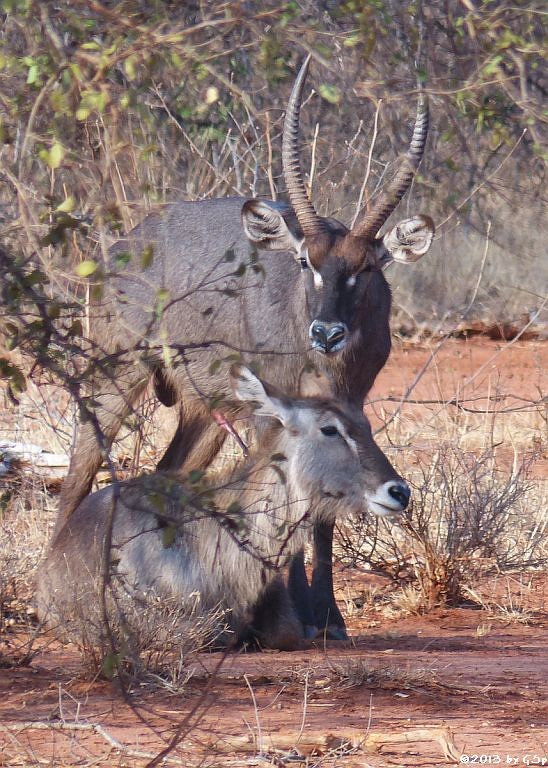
[317, 460]
[279, 284]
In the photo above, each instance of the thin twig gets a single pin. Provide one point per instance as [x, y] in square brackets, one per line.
[191, 719]
[259, 740]
[484, 182]
[93, 727]
[368, 168]
[305, 707]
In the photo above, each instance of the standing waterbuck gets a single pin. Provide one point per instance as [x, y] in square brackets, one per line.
[202, 281]
[316, 460]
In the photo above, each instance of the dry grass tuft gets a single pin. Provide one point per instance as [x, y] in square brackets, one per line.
[510, 609]
[149, 640]
[408, 600]
[356, 672]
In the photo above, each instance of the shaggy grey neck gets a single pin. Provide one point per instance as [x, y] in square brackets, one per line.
[269, 523]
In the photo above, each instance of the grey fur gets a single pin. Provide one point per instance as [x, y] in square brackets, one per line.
[193, 250]
[327, 474]
[266, 316]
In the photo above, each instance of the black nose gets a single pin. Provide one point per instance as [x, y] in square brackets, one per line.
[327, 335]
[401, 493]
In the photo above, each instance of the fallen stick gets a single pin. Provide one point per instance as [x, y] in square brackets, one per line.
[315, 743]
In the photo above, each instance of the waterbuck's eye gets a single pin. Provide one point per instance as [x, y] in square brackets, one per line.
[329, 431]
[303, 262]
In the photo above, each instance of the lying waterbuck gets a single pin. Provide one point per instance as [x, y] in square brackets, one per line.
[202, 281]
[317, 460]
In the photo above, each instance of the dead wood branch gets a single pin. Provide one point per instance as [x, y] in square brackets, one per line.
[315, 743]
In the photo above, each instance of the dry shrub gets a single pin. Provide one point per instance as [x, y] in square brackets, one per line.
[146, 638]
[26, 516]
[469, 517]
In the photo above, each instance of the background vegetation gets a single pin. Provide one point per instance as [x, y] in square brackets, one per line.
[107, 109]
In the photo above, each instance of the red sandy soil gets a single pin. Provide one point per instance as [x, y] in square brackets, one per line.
[422, 672]
[462, 668]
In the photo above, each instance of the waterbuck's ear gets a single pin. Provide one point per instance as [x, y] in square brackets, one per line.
[250, 389]
[272, 226]
[408, 240]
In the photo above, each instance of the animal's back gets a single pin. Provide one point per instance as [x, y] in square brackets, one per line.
[163, 548]
[179, 279]
[140, 555]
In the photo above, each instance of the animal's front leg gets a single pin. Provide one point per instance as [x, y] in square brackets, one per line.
[274, 623]
[327, 616]
[301, 595]
[114, 396]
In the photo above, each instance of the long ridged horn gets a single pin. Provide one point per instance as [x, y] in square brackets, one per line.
[306, 214]
[370, 222]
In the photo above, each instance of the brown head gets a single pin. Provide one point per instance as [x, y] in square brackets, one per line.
[339, 262]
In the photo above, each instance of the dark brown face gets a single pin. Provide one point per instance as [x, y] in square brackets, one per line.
[341, 261]
[336, 284]
[342, 271]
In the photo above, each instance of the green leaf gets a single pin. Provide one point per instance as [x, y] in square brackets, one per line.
[168, 536]
[162, 297]
[76, 329]
[76, 71]
[130, 67]
[56, 155]
[352, 40]
[167, 355]
[330, 93]
[54, 310]
[122, 258]
[110, 664]
[492, 67]
[86, 268]
[53, 157]
[195, 476]
[234, 508]
[67, 206]
[147, 256]
[33, 74]
[92, 101]
[14, 374]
